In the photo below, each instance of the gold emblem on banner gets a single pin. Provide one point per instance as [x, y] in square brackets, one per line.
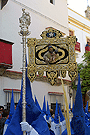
[52, 54]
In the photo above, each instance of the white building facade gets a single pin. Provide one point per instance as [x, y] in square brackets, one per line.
[43, 14]
[80, 27]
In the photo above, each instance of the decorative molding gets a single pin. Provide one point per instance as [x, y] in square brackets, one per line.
[79, 24]
[79, 27]
[10, 90]
[6, 66]
[18, 75]
[78, 14]
[40, 59]
[55, 93]
[12, 74]
[2, 71]
[58, 82]
[63, 34]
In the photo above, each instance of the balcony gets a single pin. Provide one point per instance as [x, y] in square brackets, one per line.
[5, 55]
[87, 48]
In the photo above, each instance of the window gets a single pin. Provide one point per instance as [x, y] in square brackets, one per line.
[56, 96]
[3, 3]
[88, 41]
[53, 106]
[16, 94]
[87, 46]
[52, 2]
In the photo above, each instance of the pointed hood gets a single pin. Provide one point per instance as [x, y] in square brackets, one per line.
[33, 115]
[37, 104]
[48, 115]
[78, 108]
[78, 120]
[44, 106]
[56, 118]
[61, 115]
[12, 109]
[72, 132]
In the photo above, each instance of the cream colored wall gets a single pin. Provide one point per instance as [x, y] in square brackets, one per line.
[43, 15]
[41, 89]
[79, 32]
[57, 12]
[7, 83]
[79, 17]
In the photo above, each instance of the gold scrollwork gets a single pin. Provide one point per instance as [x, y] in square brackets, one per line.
[51, 33]
[52, 77]
[63, 73]
[62, 58]
[31, 41]
[72, 71]
[31, 72]
[71, 39]
[41, 73]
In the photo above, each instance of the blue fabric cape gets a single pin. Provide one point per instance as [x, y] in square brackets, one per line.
[56, 118]
[48, 115]
[78, 120]
[37, 104]
[44, 106]
[61, 115]
[33, 115]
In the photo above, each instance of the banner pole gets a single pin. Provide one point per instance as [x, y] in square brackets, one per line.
[24, 23]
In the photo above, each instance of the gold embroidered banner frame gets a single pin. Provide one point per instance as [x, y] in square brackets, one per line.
[61, 59]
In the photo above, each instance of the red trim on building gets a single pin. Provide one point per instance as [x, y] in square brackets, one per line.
[14, 71]
[37, 75]
[10, 90]
[55, 93]
[6, 65]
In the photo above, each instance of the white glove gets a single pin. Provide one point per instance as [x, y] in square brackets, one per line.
[44, 117]
[57, 125]
[26, 127]
[49, 121]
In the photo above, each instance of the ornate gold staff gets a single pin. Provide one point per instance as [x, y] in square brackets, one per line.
[24, 23]
[67, 108]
